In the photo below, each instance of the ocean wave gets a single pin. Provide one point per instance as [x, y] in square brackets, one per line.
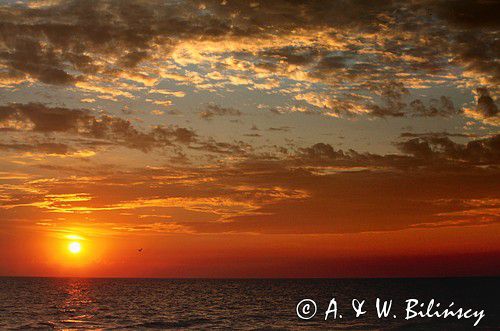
[158, 324]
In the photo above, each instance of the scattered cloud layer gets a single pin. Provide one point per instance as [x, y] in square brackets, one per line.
[115, 112]
[376, 63]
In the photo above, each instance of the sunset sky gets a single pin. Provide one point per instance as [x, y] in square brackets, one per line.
[229, 138]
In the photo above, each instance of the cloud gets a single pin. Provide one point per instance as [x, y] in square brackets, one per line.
[337, 59]
[391, 94]
[213, 110]
[103, 130]
[233, 149]
[315, 189]
[28, 56]
[486, 109]
[44, 148]
[44, 119]
[485, 104]
[436, 135]
[321, 152]
[468, 14]
[346, 105]
[280, 128]
[365, 201]
[474, 43]
[425, 151]
[390, 102]
[178, 94]
[253, 135]
[480, 151]
[157, 112]
[371, 62]
[442, 107]
[36, 117]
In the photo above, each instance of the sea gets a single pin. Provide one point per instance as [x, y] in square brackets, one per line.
[240, 304]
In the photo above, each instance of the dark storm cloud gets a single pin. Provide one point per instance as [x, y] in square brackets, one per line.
[213, 110]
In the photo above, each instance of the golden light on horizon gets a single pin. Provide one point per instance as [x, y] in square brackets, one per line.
[75, 247]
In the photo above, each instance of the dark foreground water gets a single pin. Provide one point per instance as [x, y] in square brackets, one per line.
[44, 303]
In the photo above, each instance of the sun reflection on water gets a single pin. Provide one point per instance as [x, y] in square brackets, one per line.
[78, 307]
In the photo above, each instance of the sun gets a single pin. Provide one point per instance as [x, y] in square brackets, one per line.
[75, 247]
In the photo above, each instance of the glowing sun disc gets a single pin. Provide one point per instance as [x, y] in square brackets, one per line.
[75, 247]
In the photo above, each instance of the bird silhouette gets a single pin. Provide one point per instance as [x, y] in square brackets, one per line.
[139, 250]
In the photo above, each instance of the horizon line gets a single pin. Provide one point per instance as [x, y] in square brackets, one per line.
[258, 278]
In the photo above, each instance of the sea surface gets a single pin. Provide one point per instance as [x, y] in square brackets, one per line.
[264, 304]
